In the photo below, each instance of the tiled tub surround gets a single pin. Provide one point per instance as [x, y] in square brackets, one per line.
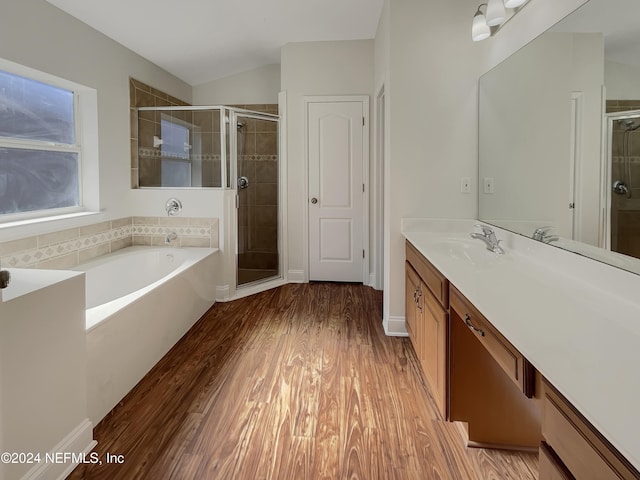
[143, 95]
[69, 248]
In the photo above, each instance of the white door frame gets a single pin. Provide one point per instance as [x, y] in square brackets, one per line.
[378, 188]
[308, 99]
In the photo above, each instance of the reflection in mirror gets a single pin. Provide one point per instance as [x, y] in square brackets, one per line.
[555, 164]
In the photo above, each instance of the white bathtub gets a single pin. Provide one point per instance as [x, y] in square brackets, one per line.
[140, 301]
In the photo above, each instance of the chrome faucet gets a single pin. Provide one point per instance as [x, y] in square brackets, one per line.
[170, 237]
[488, 236]
[542, 235]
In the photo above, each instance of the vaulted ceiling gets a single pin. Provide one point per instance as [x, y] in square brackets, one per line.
[202, 40]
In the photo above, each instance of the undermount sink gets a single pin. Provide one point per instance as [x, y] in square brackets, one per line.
[465, 249]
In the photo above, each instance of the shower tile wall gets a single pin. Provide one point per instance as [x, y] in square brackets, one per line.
[258, 215]
[625, 212]
[143, 95]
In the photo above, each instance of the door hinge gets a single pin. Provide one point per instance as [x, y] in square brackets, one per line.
[363, 188]
[362, 253]
[363, 121]
[572, 205]
[237, 201]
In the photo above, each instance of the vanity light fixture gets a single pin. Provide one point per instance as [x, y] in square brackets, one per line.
[494, 16]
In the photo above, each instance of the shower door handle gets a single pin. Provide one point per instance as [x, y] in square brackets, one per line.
[243, 182]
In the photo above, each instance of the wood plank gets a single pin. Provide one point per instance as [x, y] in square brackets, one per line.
[298, 382]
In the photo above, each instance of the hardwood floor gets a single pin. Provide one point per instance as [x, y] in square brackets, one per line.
[299, 382]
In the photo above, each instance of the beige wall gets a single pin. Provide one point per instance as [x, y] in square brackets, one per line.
[258, 86]
[36, 34]
[622, 81]
[432, 91]
[315, 68]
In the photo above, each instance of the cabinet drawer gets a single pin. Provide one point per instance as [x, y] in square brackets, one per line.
[550, 467]
[505, 354]
[580, 447]
[436, 282]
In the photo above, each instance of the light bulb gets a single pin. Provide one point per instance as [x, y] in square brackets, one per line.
[496, 13]
[479, 29]
[514, 3]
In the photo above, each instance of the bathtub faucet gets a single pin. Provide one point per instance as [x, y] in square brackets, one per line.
[170, 237]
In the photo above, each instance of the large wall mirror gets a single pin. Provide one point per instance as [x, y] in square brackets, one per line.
[559, 136]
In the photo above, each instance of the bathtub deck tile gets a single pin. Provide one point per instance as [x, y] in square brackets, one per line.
[93, 252]
[58, 237]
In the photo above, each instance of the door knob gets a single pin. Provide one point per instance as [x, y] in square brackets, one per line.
[314, 200]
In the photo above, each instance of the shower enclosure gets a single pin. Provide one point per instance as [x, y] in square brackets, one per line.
[624, 161]
[220, 147]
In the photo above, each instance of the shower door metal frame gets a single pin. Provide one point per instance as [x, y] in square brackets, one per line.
[606, 176]
[234, 113]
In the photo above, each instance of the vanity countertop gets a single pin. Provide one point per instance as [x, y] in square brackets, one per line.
[576, 320]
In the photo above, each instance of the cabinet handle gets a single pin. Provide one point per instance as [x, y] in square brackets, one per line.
[419, 295]
[467, 320]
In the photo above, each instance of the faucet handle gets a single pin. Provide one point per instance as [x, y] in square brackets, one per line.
[486, 230]
[544, 230]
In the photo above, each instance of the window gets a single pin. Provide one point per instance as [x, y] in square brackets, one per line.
[41, 157]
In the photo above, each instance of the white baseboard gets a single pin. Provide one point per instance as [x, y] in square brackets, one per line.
[223, 293]
[371, 282]
[395, 327]
[79, 441]
[295, 276]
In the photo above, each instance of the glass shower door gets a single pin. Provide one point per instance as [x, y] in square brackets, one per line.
[625, 177]
[257, 188]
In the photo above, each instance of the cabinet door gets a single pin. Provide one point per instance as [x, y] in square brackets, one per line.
[412, 287]
[434, 346]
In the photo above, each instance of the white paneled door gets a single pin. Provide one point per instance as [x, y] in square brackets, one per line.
[336, 152]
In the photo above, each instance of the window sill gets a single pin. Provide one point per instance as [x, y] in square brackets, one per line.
[44, 220]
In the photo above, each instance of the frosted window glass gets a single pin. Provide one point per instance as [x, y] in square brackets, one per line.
[176, 174]
[32, 110]
[175, 140]
[33, 180]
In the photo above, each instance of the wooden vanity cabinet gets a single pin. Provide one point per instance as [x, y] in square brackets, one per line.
[427, 322]
[573, 447]
[491, 383]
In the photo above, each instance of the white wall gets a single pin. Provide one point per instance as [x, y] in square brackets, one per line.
[43, 371]
[36, 34]
[433, 74]
[315, 68]
[257, 86]
[622, 81]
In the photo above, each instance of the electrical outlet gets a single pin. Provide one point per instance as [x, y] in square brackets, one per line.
[488, 185]
[465, 185]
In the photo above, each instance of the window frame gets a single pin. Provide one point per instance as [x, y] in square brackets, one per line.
[85, 147]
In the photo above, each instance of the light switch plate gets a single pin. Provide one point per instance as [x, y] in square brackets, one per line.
[489, 186]
[465, 185]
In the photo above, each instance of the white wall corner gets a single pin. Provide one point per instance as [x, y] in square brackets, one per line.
[223, 293]
[395, 327]
[295, 276]
[78, 442]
